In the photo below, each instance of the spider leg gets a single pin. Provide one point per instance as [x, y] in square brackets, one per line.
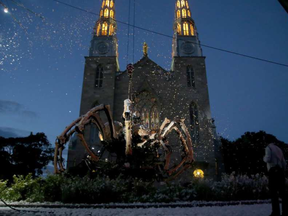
[59, 146]
[84, 143]
[56, 152]
[78, 126]
[168, 153]
[186, 142]
[61, 160]
[141, 144]
[98, 122]
[110, 120]
[93, 116]
[165, 122]
[86, 118]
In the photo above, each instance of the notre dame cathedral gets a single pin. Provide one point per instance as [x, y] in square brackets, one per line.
[181, 92]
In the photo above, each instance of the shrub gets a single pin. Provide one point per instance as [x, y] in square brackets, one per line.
[69, 189]
[24, 188]
[3, 188]
[52, 187]
[240, 187]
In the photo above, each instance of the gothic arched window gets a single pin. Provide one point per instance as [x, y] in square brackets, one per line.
[112, 14]
[190, 77]
[107, 3]
[182, 3]
[150, 116]
[179, 29]
[154, 114]
[178, 14]
[99, 76]
[104, 28]
[145, 116]
[184, 14]
[192, 30]
[187, 4]
[103, 4]
[147, 107]
[111, 3]
[189, 13]
[194, 120]
[186, 28]
[111, 29]
[178, 4]
[98, 29]
[101, 13]
[106, 13]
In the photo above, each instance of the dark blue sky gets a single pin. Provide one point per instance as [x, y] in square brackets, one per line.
[41, 71]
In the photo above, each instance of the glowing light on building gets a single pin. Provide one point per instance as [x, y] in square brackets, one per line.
[107, 3]
[186, 29]
[112, 14]
[104, 28]
[6, 10]
[192, 30]
[184, 14]
[198, 173]
[111, 29]
[179, 29]
[182, 3]
[106, 13]
[98, 29]
[178, 14]
[100, 137]
[178, 4]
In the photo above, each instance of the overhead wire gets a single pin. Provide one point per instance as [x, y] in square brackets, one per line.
[2, 4]
[27, 9]
[168, 36]
[134, 20]
[128, 32]
[13, 17]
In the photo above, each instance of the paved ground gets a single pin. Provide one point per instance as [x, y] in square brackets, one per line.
[240, 210]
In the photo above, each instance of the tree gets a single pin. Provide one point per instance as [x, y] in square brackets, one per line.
[24, 155]
[245, 155]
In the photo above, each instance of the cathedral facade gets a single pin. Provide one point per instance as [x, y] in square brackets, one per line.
[157, 93]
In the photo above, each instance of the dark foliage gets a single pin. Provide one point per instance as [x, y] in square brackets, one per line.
[24, 155]
[68, 189]
[245, 155]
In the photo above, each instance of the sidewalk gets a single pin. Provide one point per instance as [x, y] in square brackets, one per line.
[236, 210]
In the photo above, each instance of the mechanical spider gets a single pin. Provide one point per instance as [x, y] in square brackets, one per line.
[111, 131]
[129, 139]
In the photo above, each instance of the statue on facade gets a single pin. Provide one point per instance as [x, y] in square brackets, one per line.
[145, 49]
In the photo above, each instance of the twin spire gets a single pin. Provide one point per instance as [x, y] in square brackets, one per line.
[185, 42]
[106, 25]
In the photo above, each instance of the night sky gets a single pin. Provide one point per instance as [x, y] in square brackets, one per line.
[41, 67]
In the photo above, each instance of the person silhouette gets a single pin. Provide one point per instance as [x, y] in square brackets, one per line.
[276, 166]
